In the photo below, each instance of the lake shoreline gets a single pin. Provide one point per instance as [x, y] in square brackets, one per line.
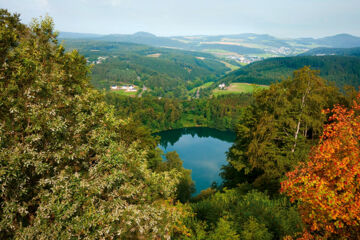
[202, 150]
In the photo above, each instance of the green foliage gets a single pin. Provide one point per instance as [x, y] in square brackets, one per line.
[355, 51]
[69, 167]
[216, 206]
[276, 215]
[253, 230]
[342, 70]
[250, 216]
[161, 114]
[186, 185]
[166, 72]
[279, 128]
[224, 231]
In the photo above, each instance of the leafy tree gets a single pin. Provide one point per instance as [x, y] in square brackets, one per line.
[224, 231]
[220, 112]
[186, 185]
[327, 187]
[253, 230]
[249, 215]
[68, 168]
[270, 217]
[278, 130]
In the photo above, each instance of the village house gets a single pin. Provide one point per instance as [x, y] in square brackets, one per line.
[127, 88]
[222, 86]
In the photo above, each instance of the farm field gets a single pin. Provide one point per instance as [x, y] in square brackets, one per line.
[232, 67]
[125, 93]
[205, 85]
[235, 88]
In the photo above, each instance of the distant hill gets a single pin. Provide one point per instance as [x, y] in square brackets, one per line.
[72, 35]
[340, 41]
[230, 48]
[336, 41]
[164, 71]
[228, 45]
[143, 38]
[333, 51]
[343, 70]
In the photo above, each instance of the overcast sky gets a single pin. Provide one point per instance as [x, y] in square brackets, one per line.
[281, 18]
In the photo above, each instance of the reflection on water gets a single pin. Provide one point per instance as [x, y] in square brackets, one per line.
[203, 150]
[172, 136]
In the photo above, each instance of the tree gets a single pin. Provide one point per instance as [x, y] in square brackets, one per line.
[279, 128]
[327, 187]
[223, 231]
[68, 168]
[186, 185]
[253, 230]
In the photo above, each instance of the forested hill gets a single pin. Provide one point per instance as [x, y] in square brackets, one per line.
[163, 71]
[340, 41]
[199, 43]
[333, 51]
[343, 70]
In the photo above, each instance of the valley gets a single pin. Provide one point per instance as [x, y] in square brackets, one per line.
[195, 137]
[193, 67]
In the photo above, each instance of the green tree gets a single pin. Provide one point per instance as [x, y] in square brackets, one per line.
[68, 166]
[224, 231]
[186, 185]
[279, 128]
[253, 230]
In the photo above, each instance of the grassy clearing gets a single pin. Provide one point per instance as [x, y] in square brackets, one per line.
[216, 51]
[155, 55]
[232, 67]
[125, 93]
[235, 88]
[205, 85]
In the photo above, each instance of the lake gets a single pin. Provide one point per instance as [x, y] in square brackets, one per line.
[203, 150]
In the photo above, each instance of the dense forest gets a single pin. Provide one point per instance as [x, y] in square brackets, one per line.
[333, 51]
[165, 72]
[341, 70]
[77, 163]
[220, 112]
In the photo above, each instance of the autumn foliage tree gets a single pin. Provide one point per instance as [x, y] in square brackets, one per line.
[327, 187]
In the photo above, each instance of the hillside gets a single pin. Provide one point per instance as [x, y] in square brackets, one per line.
[336, 41]
[164, 71]
[343, 70]
[340, 41]
[333, 51]
[240, 47]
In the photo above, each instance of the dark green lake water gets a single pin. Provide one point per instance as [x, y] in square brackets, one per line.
[203, 150]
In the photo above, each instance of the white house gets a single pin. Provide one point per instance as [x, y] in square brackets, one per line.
[222, 86]
[131, 88]
[126, 88]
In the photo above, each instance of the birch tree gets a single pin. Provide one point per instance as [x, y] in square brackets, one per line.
[278, 130]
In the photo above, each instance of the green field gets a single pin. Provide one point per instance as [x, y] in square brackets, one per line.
[232, 67]
[124, 93]
[205, 85]
[239, 88]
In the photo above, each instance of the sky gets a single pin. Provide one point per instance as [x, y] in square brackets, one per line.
[280, 18]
